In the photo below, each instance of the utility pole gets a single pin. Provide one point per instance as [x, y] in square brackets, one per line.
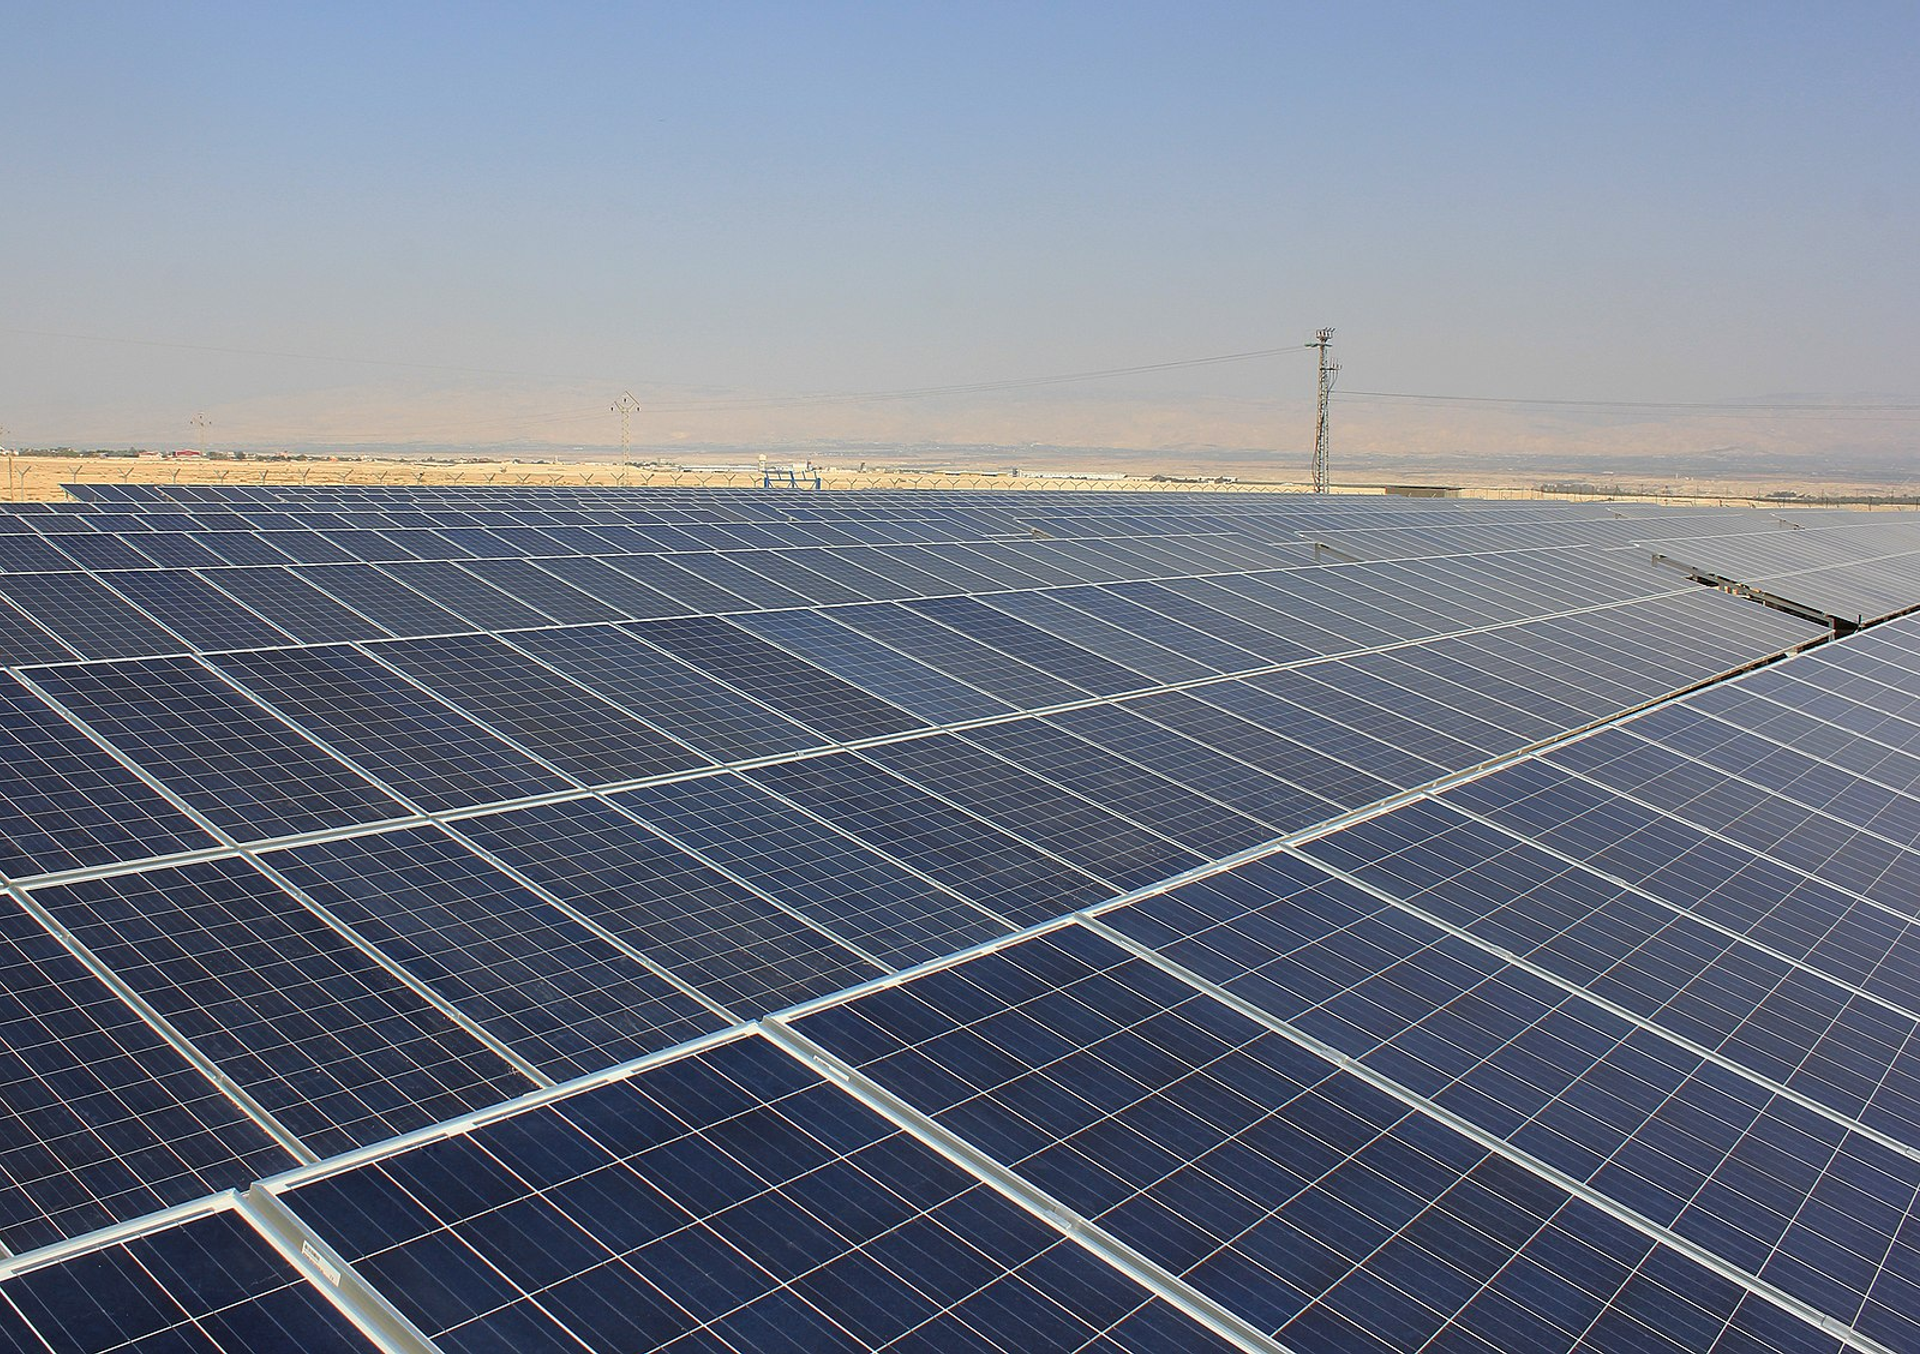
[1328, 370]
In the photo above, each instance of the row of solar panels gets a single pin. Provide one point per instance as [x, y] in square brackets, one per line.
[417, 971]
[282, 903]
[1607, 1049]
[1828, 565]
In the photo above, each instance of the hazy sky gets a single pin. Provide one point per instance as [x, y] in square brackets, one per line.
[1667, 201]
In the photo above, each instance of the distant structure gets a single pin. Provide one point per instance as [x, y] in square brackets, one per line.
[1322, 339]
[626, 406]
[200, 426]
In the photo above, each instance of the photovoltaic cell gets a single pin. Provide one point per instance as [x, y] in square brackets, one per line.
[819, 638]
[88, 617]
[1048, 612]
[284, 597]
[24, 641]
[1204, 824]
[544, 591]
[1070, 826]
[631, 598]
[385, 600]
[202, 615]
[1048, 653]
[959, 656]
[475, 600]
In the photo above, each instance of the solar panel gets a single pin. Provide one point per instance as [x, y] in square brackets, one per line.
[1295, 979]
[209, 1283]
[568, 726]
[338, 1049]
[229, 760]
[729, 1199]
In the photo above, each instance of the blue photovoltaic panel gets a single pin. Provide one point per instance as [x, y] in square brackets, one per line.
[1041, 746]
[544, 591]
[547, 986]
[1049, 653]
[95, 552]
[1625, 1107]
[693, 593]
[100, 1119]
[1173, 601]
[1317, 1207]
[790, 570]
[910, 684]
[1699, 999]
[738, 948]
[385, 600]
[628, 595]
[1786, 910]
[1266, 799]
[21, 553]
[1049, 611]
[1010, 877]
[335, 1047]
[729, 1200]
[1074, 828]
[1259, 746]
[590, 739]
[88, 617]
[734, 574]
[790, 685]
[209, 1284]
[857, 895]
[1137, 617]
[390, 728]
[200, 614]
[959, 656]
[65, 803]
[284, 597]
[476, 601]
[22, 641]
[242, 547]
[246, 771]
[699, 710]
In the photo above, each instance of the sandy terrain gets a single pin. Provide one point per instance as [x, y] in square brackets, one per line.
[29, 477]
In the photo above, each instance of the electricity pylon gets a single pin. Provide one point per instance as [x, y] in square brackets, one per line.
[1322, 339]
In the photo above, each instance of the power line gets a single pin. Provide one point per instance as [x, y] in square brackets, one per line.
[1831, 406]
[971, 387]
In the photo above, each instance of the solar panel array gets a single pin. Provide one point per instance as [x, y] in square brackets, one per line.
[745, 920]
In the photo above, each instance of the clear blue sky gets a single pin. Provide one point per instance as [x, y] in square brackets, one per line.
[1643, 201]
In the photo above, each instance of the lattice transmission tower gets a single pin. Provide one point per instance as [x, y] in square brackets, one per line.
[1323, 339]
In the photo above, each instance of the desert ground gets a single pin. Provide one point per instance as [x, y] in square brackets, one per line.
[30, 477]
